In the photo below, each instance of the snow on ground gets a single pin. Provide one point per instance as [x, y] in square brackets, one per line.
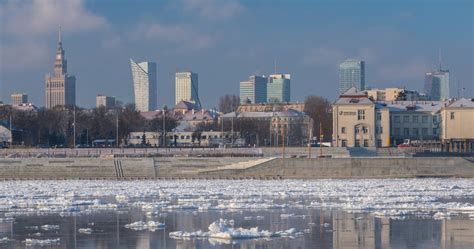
[388, 197]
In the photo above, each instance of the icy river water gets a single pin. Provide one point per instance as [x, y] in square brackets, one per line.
[366, 213]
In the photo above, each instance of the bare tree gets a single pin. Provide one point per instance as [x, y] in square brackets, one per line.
[228, 103]
[320, 110]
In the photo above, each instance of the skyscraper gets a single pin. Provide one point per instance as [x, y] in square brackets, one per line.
[60, 88]
[106, 101]
[144, 85]
[351, 74]
[278, 88]
[254, 90]
[187, 87]
[437, 84]
[19, 98]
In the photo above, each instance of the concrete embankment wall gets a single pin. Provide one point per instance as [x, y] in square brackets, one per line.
[297, 168]
[302, 168]
[75, 168]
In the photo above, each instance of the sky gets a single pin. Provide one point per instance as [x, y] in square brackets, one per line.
[225, 41]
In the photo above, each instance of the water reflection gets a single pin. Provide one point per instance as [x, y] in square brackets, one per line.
[322, 229]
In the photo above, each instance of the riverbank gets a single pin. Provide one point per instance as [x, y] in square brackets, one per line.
[234, 168]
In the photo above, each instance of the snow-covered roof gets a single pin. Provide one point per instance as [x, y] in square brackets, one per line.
[287, 113]
[462, 102]
[418, 106]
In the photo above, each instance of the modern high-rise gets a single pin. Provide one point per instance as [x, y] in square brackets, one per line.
[144, 85]
[60, 88]
[187, 88]
[253, 90]
[351, 74]
[19, 98]
[106, 101]
[437, 84]
[278, 88]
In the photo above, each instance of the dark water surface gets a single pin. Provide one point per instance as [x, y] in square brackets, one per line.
[320, 229]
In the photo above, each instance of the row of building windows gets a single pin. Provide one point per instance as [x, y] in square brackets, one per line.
[414, 131]
[414, 119]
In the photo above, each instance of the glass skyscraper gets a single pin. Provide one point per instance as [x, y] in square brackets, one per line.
[254, 90]
[278, 88]
[144, 85]
[187, 87]
[437, 84]
[351, 74]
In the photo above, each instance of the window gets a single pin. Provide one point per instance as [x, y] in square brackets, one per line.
[406, 131]
[380, 130]
[397, 131]
[406, 119]
[343, 130]
[365, 130]
[396, 119]
[379, 143]
[424, 119]
[366, 143]
[344, 143]
[357, 143]
[435, 131]
[415, 119]
[424, 131]
[415, 131]
[356, 131]
[379, 116]
[452, 115]
[360, 114]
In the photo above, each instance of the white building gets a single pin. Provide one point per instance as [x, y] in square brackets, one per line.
[19, 98]
[106, 101]
[187, 88]
[144, 85]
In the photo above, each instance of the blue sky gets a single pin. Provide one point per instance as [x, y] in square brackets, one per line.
[225, 41]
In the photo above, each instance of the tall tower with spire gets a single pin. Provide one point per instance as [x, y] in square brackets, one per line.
[60, 88]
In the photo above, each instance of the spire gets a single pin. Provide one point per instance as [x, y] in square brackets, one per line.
[439, 59]
[59, 36]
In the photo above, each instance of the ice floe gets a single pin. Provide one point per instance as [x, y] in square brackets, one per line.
[142, 225]
[384, 197]
[223, 229]
[42, 242]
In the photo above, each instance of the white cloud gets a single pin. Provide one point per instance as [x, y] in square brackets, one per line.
[178, 35]
[213, 9]
[28, 26]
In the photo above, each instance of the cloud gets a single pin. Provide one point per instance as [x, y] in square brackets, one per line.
[28, 25]
[179, 36]
[213, 9]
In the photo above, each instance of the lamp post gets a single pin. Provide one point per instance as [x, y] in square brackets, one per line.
[164, 126]
[74, 127]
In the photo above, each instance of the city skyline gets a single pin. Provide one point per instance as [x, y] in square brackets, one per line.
[395, 52]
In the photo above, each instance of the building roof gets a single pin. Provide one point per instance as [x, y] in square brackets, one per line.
[185, 105]
[286, 113]
[462, 102]
[353, 96]
[418, 106]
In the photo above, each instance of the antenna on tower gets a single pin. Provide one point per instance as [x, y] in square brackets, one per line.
[59, 35]
[275, 65]
[439, 58]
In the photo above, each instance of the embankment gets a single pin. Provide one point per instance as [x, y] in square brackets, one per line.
[234, 168]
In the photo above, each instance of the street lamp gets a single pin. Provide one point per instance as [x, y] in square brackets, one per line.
[164, 125]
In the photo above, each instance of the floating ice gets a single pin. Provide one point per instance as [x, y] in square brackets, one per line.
[42, 242]
[223, 229]
[85, 230]
[405, 196]
[141, 225]
[49, 227]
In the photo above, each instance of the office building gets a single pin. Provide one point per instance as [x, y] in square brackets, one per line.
[278, 88]
[394, 94]
[351, 74]
[144, 85]
[106, 101]
[60, 88]
[187, 88]
[437, 84]
[253, 90]
[457, 133]
[19, 98]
